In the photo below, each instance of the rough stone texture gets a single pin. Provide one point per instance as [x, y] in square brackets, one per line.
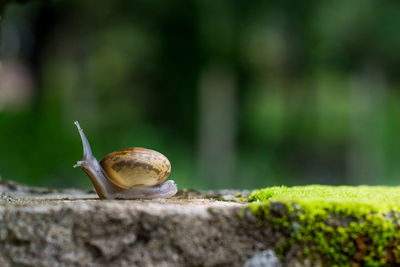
[43, 227]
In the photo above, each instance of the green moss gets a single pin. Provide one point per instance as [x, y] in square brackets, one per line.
[344, 224]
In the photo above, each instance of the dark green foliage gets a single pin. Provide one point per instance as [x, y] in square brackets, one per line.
[237, 94]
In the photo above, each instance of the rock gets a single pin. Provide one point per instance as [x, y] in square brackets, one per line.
[44, 227]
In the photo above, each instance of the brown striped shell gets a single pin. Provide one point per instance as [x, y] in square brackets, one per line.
[136, 166]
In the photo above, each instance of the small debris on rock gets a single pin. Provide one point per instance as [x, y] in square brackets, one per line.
[266, 258]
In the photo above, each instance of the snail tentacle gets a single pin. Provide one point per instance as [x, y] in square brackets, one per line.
[87, 151]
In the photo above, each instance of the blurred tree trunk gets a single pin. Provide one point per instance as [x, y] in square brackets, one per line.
[217, 127]
[366, 151]
[3, 4]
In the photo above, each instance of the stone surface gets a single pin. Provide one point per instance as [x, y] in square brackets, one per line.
[43, 227]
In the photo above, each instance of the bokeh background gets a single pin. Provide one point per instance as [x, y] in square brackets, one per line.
[237, 94]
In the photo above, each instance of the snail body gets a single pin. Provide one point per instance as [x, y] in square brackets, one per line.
[128, 173]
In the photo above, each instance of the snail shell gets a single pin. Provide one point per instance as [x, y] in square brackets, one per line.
[136, 166]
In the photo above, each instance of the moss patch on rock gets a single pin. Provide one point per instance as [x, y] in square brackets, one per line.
[347, 226]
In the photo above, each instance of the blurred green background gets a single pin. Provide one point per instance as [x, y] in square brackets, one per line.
[237, 94]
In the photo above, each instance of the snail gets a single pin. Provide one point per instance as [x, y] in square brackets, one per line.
[128, 173]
